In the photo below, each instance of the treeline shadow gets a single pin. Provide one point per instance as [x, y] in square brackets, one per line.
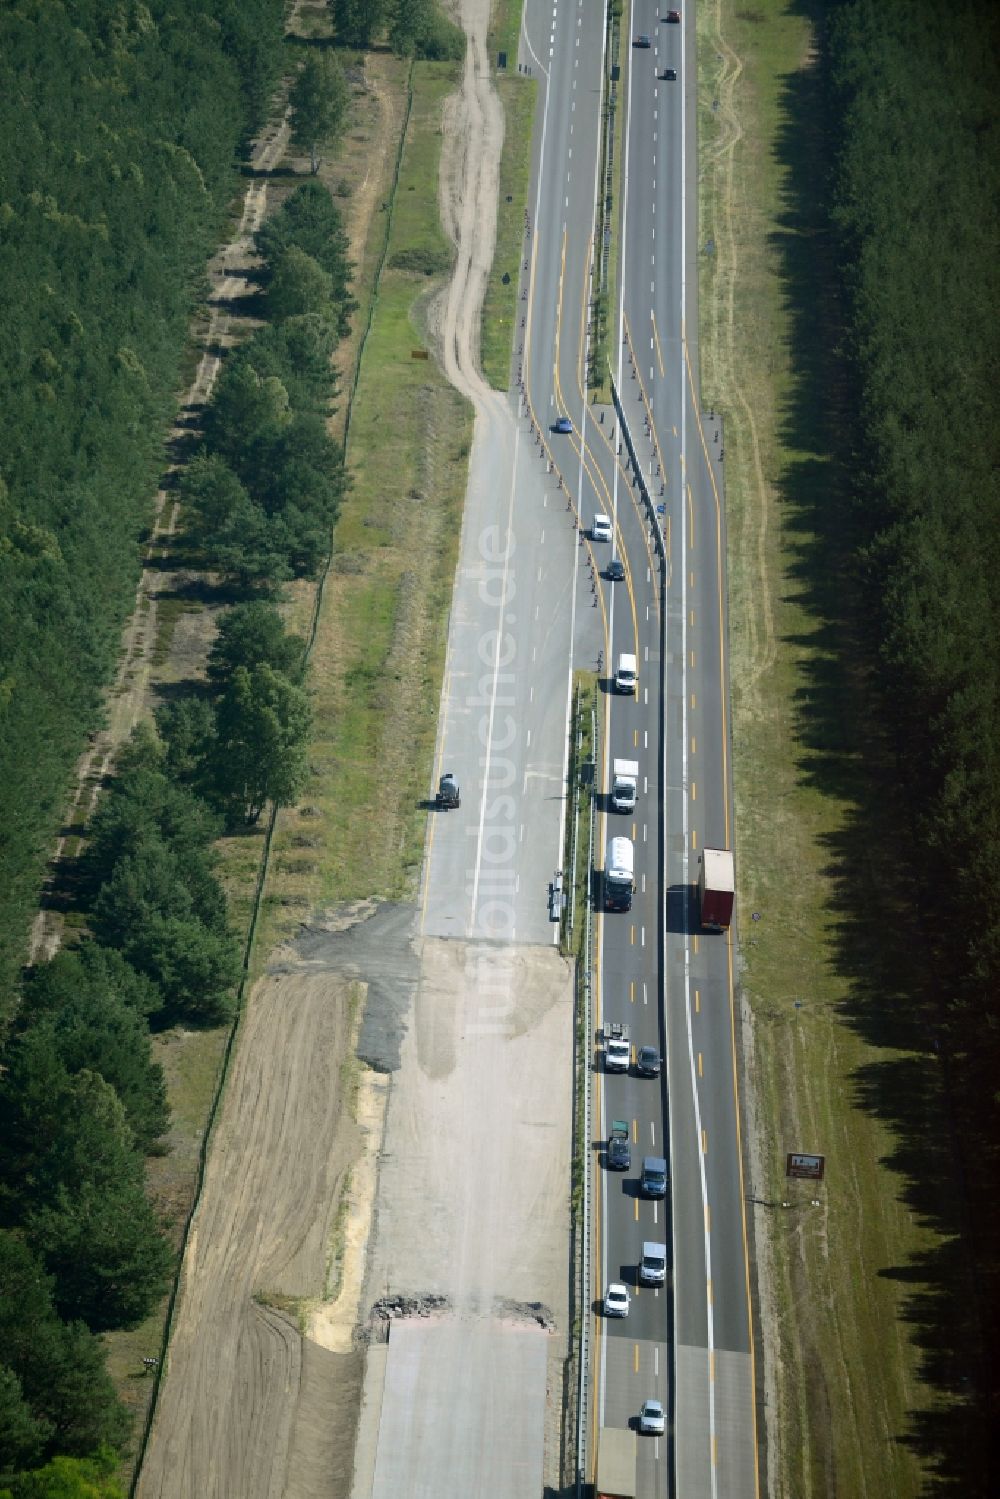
[844, 750]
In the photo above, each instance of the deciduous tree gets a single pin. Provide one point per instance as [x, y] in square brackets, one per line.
[263, 726]
[318, 102]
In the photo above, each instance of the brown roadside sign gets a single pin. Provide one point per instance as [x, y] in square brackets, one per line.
[805, 1167]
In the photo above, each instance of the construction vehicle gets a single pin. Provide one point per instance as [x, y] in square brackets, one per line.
[448, 794]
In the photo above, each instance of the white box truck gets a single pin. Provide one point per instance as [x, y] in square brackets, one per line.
[619, 875]
[625, 785]
[626, 674]
[616, 1464]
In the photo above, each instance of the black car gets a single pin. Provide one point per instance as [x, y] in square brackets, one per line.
[647, 1061]
[642, 41]
[615, 571]
[619, 1154]
[669, 73]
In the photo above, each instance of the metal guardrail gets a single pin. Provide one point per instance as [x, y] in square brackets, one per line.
[652, 515]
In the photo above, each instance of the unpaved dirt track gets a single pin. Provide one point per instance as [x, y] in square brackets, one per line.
[470, 176]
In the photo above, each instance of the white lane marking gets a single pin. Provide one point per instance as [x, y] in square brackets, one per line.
[682, 551]
[644, 884]
[542, 542]
[496, 678]
[528, 744]
[645, 997]
[520, 831]
[531, 694]
[603, 1342]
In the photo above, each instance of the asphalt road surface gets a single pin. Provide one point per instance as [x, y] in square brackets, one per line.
[690, 1344]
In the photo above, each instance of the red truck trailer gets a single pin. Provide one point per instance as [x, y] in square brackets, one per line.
[716, 889]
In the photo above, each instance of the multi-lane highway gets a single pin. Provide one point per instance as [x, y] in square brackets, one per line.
[690, 1344]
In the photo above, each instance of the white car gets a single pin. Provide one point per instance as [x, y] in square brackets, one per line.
[617, 1300]
[600, 530]
[651, 1421]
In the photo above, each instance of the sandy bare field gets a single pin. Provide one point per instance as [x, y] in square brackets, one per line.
[241, 1392]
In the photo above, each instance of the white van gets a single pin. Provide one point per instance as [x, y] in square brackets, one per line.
[601, 529]
[653, 1265]
[626, 675]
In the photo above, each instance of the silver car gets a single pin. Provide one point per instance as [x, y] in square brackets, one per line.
[651, 1420]
[616, 1300]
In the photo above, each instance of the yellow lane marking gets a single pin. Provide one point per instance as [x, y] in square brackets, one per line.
[659, 356]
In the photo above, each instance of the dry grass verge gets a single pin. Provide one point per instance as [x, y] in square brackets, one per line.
[842, 1364]
[378, 656]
